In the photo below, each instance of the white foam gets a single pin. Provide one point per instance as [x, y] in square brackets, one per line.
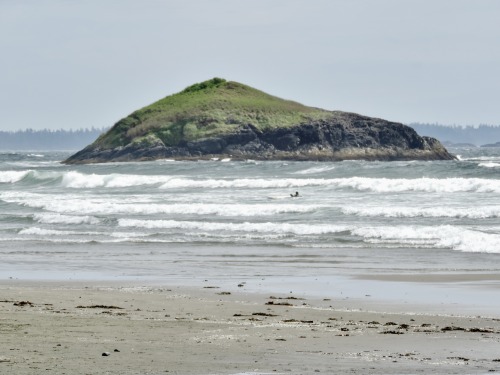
[315, 170]
[432, 185]
[300, 229]
[489, 165]
[55, 218]
[442, 211]
[46, 232]
[11, 177]
[381, 185]
[482, 158]
[74, 205]
[443, 236]
[79, 180]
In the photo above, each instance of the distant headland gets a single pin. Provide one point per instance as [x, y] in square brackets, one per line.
[225, 119]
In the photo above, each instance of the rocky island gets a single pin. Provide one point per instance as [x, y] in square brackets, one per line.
[224, 119]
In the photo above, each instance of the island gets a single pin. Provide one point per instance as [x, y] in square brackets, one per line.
[226, 119]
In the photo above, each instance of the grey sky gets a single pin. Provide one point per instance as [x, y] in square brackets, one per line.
[72, 64]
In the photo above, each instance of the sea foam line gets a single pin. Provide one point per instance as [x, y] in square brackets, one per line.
[381, 185]
[55, 218]
[489, 165]
[451, 212]
[79, 206]
[77, 180]
[300, 229]
[443, 236]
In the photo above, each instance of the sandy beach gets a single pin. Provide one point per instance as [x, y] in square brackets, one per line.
[89, 328]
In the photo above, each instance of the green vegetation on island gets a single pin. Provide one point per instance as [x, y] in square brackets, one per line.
[207, 109]
[219, 118]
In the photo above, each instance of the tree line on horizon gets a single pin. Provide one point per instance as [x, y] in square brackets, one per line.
[475, 135]
[71, 140]
[48, 140]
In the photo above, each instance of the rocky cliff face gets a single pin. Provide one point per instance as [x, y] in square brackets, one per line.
[342, 136]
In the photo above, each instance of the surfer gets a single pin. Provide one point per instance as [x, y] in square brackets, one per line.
[295, 195]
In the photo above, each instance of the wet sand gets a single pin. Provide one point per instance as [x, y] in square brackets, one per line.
[110, 328]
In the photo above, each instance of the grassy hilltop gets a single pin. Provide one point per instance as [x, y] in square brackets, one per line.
[219, 118]
[207, 109]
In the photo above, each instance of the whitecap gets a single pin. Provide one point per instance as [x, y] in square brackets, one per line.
[11, 177]
[440, 211]
[315, 170]
[70, 208]
[269, 227]
[489, 165]
[443, 236]
[45, 232]
[78, 180]
[380, 185]
[432, 185]
[55, 218]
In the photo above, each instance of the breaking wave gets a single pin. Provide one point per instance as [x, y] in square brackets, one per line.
[63, 210]
[78, 180]
[54, 218]
[443, 236]
[10, 177]
[449, 212]
[300, 229]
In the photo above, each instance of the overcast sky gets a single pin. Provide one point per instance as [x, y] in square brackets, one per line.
[76, 64]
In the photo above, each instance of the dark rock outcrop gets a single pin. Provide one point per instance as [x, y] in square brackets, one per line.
[343, 136]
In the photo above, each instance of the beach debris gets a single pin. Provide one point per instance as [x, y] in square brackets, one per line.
[481, 330]
[224, 293]
[99, 307]
[392, 333]
[106, 354]
[23, 303]
[263, 314]
[297, 321]
[279, 303]
[211, 287]
[116, 351]
[452, 328]
[459, 358]
[240, 285]
[390, 324]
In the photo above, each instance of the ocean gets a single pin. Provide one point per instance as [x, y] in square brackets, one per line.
[236, 223]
